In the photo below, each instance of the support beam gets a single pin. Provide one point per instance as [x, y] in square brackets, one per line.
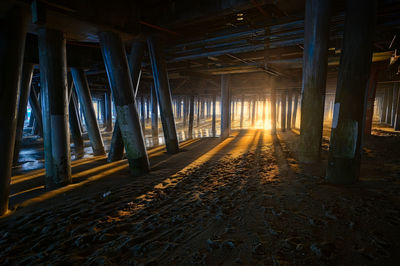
[253, 113]
[191, 117]
[13, 28]
[397, 116]
[283, 110]
[116, 152]
[389, 106]
[273, 110]
[289, 110]
[371, 92]
[198, 111]
[349, 115]
[75, 126]
[241, 111]
[295, 107]
[83, 92]
[225, 106]
[53, 80]
[24, 91]
[142, 114]
[135, 63]
[384, 105]
[116, 63]
[394, 105]
[154, 115]
[161, 83]
[185, 110]
[108, 117]
[315, 56]
[214, 116]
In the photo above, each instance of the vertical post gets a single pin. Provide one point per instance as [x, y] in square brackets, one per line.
[394, 105]
[191, 116]
[108, 111]
[198, 111]
[83, 91]
[116, 152]
[283, 110]
[384, 105]
[315, 56]
[397, 115]
[37, 110]
[185, 110]
[75, 126]
[263, 111]
[241, 111]
[253, 113]
[371, 91]
[389, 106]
[142, 114]
[273, 110]
[116, 63]
[25, 87]
[233, 112]
[349, 115]
[295, 103]
[214, 116]
[225, 106]
[163, 95]
[147, 108]
[103, 109]
[12, 39]
[289, 109]
[154, 115]
[53, 79]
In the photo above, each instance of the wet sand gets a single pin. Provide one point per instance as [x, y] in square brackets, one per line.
[245, 200]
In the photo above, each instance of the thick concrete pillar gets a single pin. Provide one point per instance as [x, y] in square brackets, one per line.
[83, 92]
[53, 80]
[283, 110]
[75, 126]
[154, 115]
[163, 95]
[191, 117]
[116, 63]
[289, 110]
[397, 115]
[394, 104]
[389, 106]
[315, 56]
[295, 103]
[384, 105]
[214, 116]
[13, 28]
[24, 91]
[241, 111]
[108, 117]
[225, 106]
[349, 115]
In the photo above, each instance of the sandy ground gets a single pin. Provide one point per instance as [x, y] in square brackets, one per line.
[245, 200]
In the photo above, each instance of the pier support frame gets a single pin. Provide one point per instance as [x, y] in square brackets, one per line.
[349, 114]
[116, 63]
